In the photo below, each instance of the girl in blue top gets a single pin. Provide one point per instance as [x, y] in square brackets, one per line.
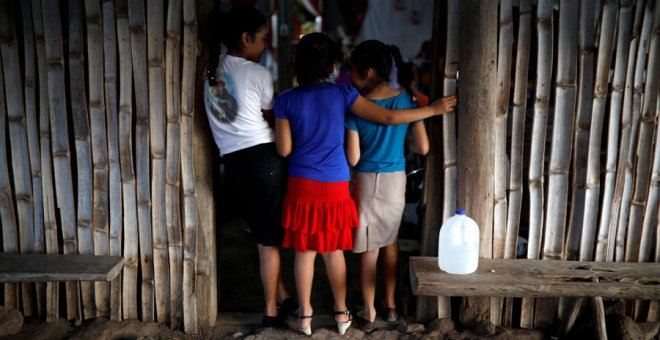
[319, 214]
[379, 179]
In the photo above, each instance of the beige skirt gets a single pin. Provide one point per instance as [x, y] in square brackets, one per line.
[380, 198]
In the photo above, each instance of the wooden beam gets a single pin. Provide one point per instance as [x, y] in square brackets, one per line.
[538, 278]
[57, 267]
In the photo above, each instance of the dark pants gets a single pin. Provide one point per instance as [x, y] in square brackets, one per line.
[256, 177]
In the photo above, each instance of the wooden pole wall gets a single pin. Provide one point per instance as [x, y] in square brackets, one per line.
[129, 99]
[127, 94]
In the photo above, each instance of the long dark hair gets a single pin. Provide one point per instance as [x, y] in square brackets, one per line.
[315, 54]
[228, 28]
[377, 55]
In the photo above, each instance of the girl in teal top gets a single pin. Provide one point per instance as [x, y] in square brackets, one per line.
[379, 181]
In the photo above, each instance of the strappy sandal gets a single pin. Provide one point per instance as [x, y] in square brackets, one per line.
[343, 326]
[304, 330]
[273, 322]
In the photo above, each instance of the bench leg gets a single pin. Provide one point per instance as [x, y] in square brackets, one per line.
[599, 312]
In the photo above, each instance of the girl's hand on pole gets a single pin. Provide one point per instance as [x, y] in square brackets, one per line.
[444, 105]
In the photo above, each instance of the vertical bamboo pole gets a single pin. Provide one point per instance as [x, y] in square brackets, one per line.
[173, 156]
[544, 26]
[130, 222]
[190, 216]
[626, 122]
[112, 118]
[644, 145]
[605, 47]
[18, 139]
[562, 130]
[501, 117]
[626, 196]
[99, 145]
[136, 22]
[586, 37]
[560, 149]
[37, 239]
[83, 147]
[7, 209]
[650, 224]
[450, 195]
[518, 128]
[50, 221]
[205, 260]
[623, 44]
[654, 308]
[155, 55]
[517, 139]
[60, 141]
[503, 90]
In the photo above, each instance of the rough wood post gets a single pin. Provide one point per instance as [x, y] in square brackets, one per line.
[476, 121]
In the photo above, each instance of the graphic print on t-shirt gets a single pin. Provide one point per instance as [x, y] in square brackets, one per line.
[225, 107]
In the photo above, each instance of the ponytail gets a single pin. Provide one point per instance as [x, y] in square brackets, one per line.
[405, 72]
[227, 28]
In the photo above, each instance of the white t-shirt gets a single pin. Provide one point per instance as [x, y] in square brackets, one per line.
[234, 105]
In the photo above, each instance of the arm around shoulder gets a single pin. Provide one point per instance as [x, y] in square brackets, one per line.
[370, 111]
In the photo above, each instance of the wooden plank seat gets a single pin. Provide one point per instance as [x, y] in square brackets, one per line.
[538, 278]
[58, 267]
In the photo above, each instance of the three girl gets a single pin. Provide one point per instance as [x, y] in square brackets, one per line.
[379, 180]
[319, 215]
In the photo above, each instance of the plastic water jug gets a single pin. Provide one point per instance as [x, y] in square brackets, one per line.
[458, 246]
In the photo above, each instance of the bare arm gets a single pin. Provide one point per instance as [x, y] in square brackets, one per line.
[352, 146]
[370, 111]
[283, 140]
[420, 141]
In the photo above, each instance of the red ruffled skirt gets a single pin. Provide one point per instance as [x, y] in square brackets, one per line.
[318, 216]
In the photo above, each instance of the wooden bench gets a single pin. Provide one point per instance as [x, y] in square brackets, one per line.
[541, 278]
[57, 267]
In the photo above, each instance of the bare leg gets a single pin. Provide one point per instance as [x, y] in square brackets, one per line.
[269, 269]
[304, 272]
[368, 264]
[335, 267]
[390, 269]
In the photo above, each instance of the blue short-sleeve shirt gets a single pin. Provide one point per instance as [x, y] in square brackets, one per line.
[381, 146]
[317, 115]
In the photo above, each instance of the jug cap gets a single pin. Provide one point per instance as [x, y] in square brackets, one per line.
[460, 212]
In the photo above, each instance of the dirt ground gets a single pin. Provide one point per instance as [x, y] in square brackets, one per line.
[241, 303]
[245, 326]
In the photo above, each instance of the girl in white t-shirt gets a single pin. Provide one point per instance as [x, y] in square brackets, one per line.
[238, 97]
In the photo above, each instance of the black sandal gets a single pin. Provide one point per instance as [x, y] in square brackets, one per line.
[273, 322]
[287, 307]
